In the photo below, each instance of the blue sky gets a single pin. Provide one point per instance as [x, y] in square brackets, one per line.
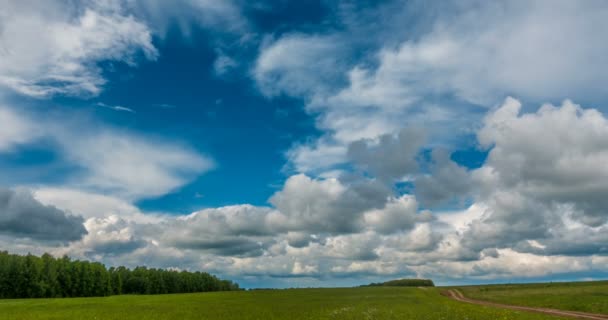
[308, 143]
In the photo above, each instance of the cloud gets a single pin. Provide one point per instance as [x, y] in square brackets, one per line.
[131, 165]
[390, 157]
[475, 53]
[510, 264]
[297, 65]
[397, 239]
[458, 54]
[15, 130]
[23, 216]
[361, 246]
[326, 205]
[111, 236]
[542, 181]
[219, 16]
[111, 160]
[447, 181]
[53, 48]
[555, 155]
[92, 205]
[242, 230]
[398, 215]
[245, 220]
[316, 157]
[116, 108]
[424, 237]
[223, 64]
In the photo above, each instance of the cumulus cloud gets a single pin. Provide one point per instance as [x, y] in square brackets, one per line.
[542, 181]
[509, 264]
[390, 157]
[111, 236]
[397, 215]
[53, 48]
[475, 53]
[316, 157]
[92, 205]
[447, 181]
[228, 231]
[23, 216]
[459, 53]
[326, 205]
[554, 155]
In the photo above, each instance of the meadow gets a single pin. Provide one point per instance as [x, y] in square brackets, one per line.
[574, 296]
[293, 304]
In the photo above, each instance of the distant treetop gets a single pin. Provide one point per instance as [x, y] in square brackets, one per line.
[403, 283]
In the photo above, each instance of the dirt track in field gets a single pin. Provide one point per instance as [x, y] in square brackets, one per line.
[457, 295]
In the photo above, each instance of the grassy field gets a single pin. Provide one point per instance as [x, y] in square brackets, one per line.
[575, 296]
[355, 303]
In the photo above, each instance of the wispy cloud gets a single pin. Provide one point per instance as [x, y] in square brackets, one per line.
[116, 108]
[165, 105]
[53, 48]
[113, 160]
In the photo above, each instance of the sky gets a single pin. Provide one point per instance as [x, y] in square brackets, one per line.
[309, 143]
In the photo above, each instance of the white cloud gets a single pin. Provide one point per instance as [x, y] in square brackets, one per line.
[131, 165]
[397, 215]
[486, 50]
[15, 130]
[116, 108]
[542, 186]
[326, 206]
[470, 52]
[510, 264]
[298, 65]
[114, 161]
[318, 156]
[223, 64]
[557, 154]
[461, 220]
[53, 48]
[220, 16]
[92, 205]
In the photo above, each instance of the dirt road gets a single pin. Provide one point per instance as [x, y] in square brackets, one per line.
[457, 295]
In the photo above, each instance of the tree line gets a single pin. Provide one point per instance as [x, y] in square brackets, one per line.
[403, 283]
[49, 277]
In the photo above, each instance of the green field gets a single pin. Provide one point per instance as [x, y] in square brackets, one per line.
[575, 296]
[294, 304]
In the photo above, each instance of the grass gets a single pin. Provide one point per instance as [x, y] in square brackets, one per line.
[293, 304]
[576, 296]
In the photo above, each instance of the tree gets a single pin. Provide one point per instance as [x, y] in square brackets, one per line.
[35, 277]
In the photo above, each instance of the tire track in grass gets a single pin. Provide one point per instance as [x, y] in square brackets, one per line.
[458, 296]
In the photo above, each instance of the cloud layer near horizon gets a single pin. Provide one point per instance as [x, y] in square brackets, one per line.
[356, 226]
